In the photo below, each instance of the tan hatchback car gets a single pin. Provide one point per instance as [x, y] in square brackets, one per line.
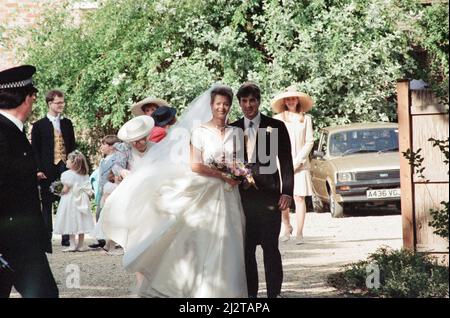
[354, 165]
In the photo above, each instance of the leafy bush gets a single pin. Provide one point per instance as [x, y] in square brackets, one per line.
[346, 54]
[440, 218]
[432, 43]
[403, 273]
[85, 149]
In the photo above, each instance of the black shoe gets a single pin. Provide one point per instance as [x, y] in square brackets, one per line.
[101, 243]
[65, 243]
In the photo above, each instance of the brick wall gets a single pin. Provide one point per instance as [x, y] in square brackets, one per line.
[14, 14]
[25, 13]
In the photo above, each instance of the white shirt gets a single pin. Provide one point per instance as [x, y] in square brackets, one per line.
[15, 120]
[256, 121]
[55, 121]
[251, 132]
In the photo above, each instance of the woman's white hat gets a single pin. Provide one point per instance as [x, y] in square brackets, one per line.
[136, 128]
[136, 109]
[278, 104]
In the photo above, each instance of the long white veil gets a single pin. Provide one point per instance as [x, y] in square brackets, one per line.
[183, 231]
[126, 218]
[174, 148]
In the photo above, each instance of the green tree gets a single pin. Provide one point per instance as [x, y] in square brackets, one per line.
[346, 54]
[431, 44]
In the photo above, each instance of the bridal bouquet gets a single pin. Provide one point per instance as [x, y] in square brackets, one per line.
[235, 170]
[56, 187]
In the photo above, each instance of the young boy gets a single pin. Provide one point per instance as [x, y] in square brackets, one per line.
[107, 150]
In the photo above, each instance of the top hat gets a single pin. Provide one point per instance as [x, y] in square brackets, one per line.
[278, 104]
[136, 128]
[16, 77]
[164, 115]
[136, 109]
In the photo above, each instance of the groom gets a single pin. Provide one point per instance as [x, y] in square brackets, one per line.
[266, 139]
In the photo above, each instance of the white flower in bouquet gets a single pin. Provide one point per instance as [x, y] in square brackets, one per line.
[56, 187]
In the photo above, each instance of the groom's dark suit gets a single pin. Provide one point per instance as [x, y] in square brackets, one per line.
[263, 217]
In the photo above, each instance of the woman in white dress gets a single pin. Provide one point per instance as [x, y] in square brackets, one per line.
[181, 222]
[291, 107]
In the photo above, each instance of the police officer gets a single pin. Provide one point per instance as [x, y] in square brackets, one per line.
[23, 235]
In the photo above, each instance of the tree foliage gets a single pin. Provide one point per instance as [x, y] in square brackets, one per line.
[346, 54]
[432, 42]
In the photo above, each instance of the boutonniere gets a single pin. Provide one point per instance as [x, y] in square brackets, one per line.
[269, 129]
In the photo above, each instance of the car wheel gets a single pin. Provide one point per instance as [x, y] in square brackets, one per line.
[336, 208]
[350, 208]
[317, 204]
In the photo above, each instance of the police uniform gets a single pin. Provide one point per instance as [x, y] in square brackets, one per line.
[23, 237]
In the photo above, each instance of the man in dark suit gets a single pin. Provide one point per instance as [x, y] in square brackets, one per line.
[266, 139]
[52, 138]
[23, 236]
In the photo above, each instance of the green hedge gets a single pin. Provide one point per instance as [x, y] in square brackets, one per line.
[402, 274]
[346, 54]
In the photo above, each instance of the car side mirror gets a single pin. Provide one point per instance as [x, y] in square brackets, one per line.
[318, 154]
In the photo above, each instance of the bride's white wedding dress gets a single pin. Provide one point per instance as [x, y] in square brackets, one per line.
[183, 231]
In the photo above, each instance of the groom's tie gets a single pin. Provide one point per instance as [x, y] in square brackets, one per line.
[251, 142]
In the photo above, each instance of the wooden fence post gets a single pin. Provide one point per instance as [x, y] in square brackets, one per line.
[406, 170]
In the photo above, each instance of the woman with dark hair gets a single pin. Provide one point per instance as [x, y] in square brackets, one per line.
[180, 221]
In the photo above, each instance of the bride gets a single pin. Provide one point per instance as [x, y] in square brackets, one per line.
[180, 222]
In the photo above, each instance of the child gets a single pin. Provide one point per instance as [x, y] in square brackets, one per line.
[74, 210]
[113, 182]
[107, 150]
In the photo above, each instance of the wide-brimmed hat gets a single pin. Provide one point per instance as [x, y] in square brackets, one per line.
[278, 104]
[136, 128]
[136, 109]
[164, 115]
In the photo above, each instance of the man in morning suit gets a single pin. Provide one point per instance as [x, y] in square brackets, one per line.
[52, 138]
[266, 139]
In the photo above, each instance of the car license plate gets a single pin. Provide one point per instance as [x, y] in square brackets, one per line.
[383, 193]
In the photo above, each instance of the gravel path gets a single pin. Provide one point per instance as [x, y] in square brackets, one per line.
[329, 244]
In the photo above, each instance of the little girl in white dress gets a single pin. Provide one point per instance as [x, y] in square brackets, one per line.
[74, 210]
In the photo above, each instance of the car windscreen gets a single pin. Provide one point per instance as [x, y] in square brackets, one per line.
[348, 142]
